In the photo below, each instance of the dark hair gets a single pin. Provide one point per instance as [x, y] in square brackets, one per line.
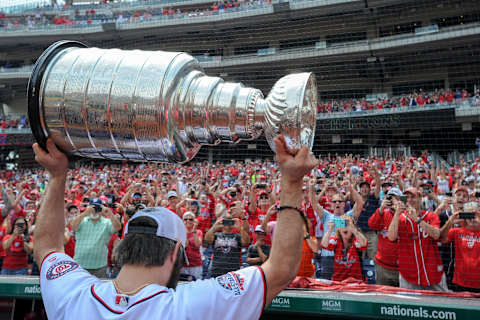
[25, 230]
[148, 250]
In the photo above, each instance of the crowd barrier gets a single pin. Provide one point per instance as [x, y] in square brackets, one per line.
[295, 302]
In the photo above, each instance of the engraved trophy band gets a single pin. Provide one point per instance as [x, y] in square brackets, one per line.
[156, 105]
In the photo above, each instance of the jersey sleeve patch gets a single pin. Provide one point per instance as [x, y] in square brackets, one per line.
[233, 282]
[60, 268]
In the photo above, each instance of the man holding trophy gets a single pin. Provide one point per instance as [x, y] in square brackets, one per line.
[81, 102]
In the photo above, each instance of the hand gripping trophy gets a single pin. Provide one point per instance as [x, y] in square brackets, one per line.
[156, 106]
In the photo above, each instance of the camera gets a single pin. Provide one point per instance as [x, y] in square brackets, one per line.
[261, 186]
[233, 194]
[467, 215]
[228, 222]
[389, 197]
[449, 194]
[98, 209]
[427, 191]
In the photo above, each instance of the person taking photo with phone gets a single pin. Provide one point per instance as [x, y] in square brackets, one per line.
[325, 216]
[18, 244]
[445, 211]
[93, 229]
[227, 244]
[463, 231]
[418, 232]
[347, 243]
[386, 258]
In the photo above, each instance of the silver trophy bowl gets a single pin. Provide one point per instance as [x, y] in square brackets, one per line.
[156, 106]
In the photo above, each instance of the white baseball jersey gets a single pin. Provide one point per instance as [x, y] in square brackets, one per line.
[70, 292]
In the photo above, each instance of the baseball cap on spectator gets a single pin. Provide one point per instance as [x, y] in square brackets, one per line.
[355, 171]
[461, 188]
[259, 228]
[188, 214]
[364, 183]
[96, 202]
[262, 193]
[395, 192]
[172, 194]
[71, 206]
[427, 183]
[413, 191]
[137, 195]
[169, 225]
[331, 187]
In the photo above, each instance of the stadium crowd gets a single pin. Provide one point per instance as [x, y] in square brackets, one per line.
[416, 99]
[76, 16]
[400, 222]
[7, 122]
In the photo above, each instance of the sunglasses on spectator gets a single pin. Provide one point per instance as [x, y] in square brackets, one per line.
[188, 219]
[264, 197]
[337, 201]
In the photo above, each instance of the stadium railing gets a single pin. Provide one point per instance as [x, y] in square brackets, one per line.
[298, 303]
[16, 130]
[467, 103]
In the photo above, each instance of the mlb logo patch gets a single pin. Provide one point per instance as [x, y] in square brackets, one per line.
[121, 301]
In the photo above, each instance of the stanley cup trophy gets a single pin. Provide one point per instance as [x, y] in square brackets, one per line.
[156, 106]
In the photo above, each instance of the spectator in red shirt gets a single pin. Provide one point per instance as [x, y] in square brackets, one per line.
[172, 199]
[194, 242]
[418, 232]
[346, 243]
[466, 240]
[386, 259]
[18, 244]
[3, 232]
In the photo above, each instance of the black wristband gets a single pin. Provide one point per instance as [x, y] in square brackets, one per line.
[300, 212]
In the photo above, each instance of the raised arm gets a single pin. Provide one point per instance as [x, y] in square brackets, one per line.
[314, 201]
[393, 227]
[50, 224]
[358, 206]
[326, 236]
[446, 227]
[282, 265]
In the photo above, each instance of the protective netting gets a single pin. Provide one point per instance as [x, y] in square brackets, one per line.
[397, 131]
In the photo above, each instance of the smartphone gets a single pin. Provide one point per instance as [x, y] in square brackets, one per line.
[448, 194]
[228, 222]
[261, 186]
[467, 215]
[477, 194]
[340, 223]
[403, 199]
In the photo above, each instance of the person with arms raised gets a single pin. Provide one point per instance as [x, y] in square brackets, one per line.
[152, 254]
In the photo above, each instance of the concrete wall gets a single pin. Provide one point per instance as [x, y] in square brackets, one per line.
[16, 107]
